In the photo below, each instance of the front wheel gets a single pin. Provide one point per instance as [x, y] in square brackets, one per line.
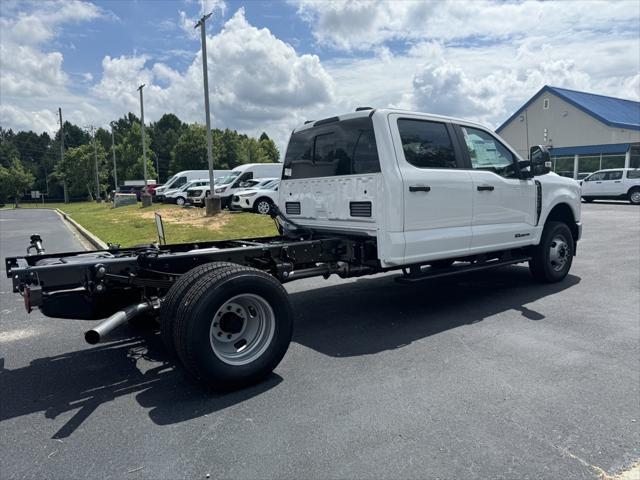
[180, 201]
[263, 206]
[634, 196]
[233, 327]
[552, 258]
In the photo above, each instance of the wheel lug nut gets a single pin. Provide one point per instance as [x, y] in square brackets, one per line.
[215, 324]
[229, 336]
[219, 334]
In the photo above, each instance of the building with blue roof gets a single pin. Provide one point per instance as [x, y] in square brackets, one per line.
[585, 131]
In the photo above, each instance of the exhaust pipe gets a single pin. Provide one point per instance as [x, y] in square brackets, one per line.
[105, 327]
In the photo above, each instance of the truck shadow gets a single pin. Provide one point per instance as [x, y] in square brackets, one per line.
[83, 380]
[376, 314]
[364, 317]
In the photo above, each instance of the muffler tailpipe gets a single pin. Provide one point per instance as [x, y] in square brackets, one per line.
[105, 327]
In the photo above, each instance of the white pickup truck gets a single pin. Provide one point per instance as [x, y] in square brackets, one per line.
[363, 193]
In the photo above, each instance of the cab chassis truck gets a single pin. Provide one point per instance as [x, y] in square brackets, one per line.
[363, 193]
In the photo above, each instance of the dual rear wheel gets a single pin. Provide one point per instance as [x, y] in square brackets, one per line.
[228, 324]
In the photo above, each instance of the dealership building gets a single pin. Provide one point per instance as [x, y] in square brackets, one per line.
[585, 132]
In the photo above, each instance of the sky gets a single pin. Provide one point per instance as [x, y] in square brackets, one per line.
[275, 64]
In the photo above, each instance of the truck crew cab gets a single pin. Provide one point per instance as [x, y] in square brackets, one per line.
[363, 193]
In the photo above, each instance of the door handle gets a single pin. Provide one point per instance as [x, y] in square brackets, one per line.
[419, 188]
[598, 182]
[485, 188]
[618, 181]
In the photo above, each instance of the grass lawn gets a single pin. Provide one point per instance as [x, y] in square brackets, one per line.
[132, 224]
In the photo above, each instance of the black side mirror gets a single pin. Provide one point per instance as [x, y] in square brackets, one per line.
[540, 160]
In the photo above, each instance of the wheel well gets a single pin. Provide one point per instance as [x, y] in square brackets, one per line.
[635, 187]
[563, 213]
[263, 198]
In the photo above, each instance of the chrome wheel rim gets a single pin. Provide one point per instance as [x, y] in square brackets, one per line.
[242, 329]
[635, 196]
[263, 207]
[559, 252]
[180, 201]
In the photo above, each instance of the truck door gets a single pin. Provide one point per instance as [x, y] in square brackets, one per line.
[504, 204]
[436, 190]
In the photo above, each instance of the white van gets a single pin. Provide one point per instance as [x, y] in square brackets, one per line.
[180, 178]
[231, 183]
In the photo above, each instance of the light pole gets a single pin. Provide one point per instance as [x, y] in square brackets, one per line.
[146, 198]
[157, 168]
[212, 202]
[113, 151]
[95, 160]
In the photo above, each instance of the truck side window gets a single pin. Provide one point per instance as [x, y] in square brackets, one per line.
[633, 174]
[179, 182]
[346, 147]
[487, 153]
[426, 144]
[617, 175]
[595, 176]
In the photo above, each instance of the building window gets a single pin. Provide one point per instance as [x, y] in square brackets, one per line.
[545, 104]
[612, 161]
[563, 166]
[634, 157]
[588, 163]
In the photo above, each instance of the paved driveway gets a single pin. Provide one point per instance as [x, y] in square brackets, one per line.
[488, 376]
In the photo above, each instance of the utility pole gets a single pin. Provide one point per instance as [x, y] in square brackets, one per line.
[146, 198]
[95, 160]
[212, 202]
[113, 151]
[64, 182]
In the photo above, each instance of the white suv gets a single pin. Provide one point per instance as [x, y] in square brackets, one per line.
[612, 184]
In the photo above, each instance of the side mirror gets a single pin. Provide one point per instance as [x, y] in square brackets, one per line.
[540, 160]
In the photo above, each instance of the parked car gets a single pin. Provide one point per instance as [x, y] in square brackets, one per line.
[259, 199]
[228, 186]
[180, 178]
[612, 184]
[196, 196]
[179, 195]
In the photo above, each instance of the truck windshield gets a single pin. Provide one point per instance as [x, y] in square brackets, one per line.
[345, 147]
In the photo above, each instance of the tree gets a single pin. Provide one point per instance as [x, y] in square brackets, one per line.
[15, 180]
[164, 137]
[269, 149]
[78, 170]
[190, 151]
[129, 153]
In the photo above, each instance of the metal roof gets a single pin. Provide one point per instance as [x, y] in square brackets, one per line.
[614, 112]
[611, 148]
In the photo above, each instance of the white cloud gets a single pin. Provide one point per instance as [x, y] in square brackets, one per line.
[360, 24]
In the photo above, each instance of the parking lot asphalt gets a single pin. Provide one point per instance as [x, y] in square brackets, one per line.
[486, 376]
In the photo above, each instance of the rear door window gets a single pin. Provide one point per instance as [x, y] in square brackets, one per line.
[345, 147]
[633, 174]
[616, 175]
[426, 144]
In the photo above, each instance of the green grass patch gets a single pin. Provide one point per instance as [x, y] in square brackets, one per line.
[133, 225]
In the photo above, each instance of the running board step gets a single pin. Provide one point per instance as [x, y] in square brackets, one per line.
[453, 271]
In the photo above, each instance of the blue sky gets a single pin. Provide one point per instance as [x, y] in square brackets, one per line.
[274, 64]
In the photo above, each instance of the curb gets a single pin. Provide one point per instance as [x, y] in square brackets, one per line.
[91, 238]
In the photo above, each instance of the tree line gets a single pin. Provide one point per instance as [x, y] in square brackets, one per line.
[32, 161]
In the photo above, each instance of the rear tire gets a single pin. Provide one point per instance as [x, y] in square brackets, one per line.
[233, 327]
[174, 297]
[263, 206]
[552, 258]
[634, 196]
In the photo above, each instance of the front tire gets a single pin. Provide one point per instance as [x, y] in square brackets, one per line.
[233, 327]
[552, 258]
[180, 201]
[263, 206]
[634, 196]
